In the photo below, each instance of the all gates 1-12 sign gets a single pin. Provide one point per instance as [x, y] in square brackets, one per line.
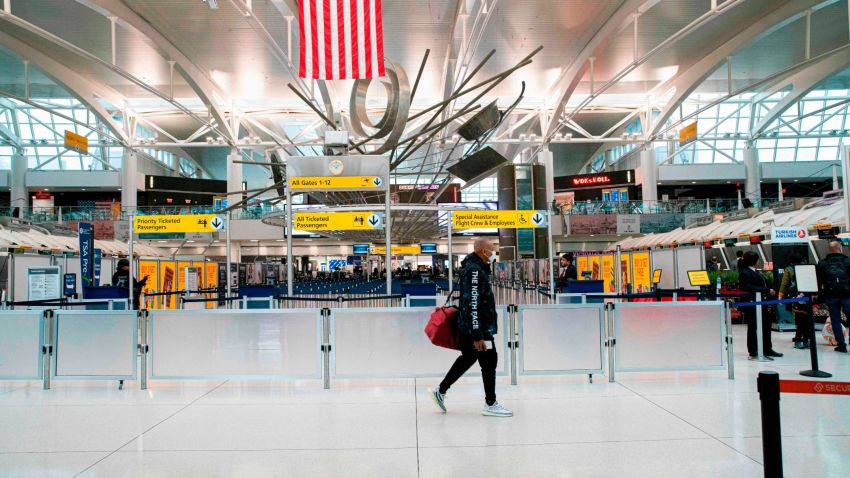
[175, 223]
[336, 182]
[337, 221]
[499, 219]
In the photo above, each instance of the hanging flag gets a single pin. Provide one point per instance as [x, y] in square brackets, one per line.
[341, 39]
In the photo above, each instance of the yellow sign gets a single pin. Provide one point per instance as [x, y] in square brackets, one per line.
[583, 265]
[338, 221]
[822, 226]
[398, 250]
[336, 182]
[498, 219]
[699, 278]
[688, 133]
[76, 142]
[641, 274]
[609, 283]
[186, 223]
[656, 276]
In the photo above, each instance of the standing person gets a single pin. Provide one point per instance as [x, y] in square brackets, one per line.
[788, 289]
[752, 281]
[121, 278]
[834, 279]
[568, 271]
[740, 256]
[476, 324]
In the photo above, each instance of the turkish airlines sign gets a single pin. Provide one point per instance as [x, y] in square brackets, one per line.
[789, 235]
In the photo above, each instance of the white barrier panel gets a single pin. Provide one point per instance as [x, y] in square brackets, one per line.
[95, 345]
[391, 342]
[241, 344]
[558, 339]
[21, 338]
[664, 259]
[688, 259]
[669, 336]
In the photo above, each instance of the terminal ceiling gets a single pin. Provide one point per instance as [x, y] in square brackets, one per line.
[232, 65]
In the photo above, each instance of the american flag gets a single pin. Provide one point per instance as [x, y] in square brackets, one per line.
[341, 39]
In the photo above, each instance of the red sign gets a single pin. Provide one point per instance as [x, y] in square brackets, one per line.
[592, 180]
[42, 195]
[810, 386]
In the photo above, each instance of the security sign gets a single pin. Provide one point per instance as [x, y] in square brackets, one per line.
[348, 183]
[499, 219]
[177, 223]
[338, 221]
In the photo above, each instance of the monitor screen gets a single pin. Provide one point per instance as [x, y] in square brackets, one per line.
[361, 249]
[428, 248]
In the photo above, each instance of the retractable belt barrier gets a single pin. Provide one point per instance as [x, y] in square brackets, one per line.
[769, 388]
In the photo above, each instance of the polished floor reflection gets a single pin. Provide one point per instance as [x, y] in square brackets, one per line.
[645, 425]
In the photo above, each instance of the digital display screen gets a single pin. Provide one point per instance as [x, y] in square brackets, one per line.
[429, 248]
[361, 249]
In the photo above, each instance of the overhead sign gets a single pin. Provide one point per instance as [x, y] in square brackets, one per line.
[338, 221]
[398, 250]
[499, 219]
[336, 182]
[175, 223]
[76, 142]
[688, 134]
[789, 235]
[598, 180]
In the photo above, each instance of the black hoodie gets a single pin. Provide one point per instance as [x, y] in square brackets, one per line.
[477, 317]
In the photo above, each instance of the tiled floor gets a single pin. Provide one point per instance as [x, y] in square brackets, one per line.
[645, 425]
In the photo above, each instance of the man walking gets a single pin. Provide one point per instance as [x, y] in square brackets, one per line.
[476, 324]
[834, 279]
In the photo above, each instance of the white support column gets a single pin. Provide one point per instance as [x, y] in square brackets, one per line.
[752, 187]
[234, 177]
[649, 171]
[781, 194]
[547, 159]
[18, 183]
[835, 185]
[845, 173]
[129, 186]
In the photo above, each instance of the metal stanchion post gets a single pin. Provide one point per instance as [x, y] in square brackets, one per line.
[326, 348]
[513, 341]
[47, 348]
[612, 341]
[771, 433]
[759, 327]
[730, 356]
[814, 372]
[143, 320]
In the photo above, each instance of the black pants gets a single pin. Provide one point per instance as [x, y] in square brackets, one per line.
[802, 319]
[752, 333]
[486, 359]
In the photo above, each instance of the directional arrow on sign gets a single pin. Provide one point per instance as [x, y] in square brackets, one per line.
[217, 223]
[374, 221]
[377, 181]
[538, 219]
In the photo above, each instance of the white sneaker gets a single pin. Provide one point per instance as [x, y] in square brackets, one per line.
[496, 410]
[438, 399]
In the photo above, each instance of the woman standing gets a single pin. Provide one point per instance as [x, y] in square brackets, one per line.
[788, 289]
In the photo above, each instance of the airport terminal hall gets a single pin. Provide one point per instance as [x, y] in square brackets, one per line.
[424, 238]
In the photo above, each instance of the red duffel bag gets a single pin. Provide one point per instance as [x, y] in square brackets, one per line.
[442, 328]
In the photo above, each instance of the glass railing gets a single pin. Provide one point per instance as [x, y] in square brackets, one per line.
[695, 206]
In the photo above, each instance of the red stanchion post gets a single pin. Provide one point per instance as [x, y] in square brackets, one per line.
[771, 434]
